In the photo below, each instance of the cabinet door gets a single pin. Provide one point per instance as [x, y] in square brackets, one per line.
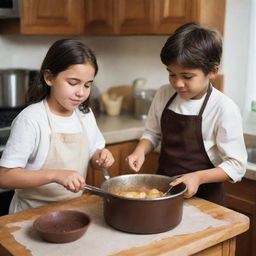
[52, 17]
[210, 13]
[170, 14]
[241, 197]
[135, 16]
[100, 17]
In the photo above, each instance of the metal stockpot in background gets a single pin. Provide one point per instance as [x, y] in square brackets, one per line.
[13, 86]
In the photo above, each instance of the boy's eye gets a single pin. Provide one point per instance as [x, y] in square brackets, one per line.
[187, 77]
[171, 75]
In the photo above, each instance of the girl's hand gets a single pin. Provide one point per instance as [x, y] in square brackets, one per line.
[191, 180]
[104, 158]
[135, 161]
[71, 180]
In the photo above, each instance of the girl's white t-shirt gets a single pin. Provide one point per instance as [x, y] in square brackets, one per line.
[221, 127]
[28, 144]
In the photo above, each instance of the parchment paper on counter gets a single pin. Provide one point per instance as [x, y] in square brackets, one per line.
[100, 239]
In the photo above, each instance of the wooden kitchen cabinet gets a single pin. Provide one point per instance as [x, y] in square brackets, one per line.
[150, 16]
[52, 17]
[170, 14]
[241, 197]
[113, 17]
[99, 17]
[47, 17]
[135, 16]
[120, 151]
[119, 17]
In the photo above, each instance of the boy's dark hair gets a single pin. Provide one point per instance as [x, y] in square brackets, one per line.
[193, 46]
[61, 55]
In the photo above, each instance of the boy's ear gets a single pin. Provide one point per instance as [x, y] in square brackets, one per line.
[214, 72]
[48, 77]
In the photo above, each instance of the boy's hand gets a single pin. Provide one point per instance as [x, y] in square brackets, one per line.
[103, 158]
[194, 179]
[135, 161]
[191, 180]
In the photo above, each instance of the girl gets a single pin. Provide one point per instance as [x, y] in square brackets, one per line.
[53, 139]
[199, 127]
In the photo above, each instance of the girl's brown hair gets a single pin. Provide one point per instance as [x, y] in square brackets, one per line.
[61, 55]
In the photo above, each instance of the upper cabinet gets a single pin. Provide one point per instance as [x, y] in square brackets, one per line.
[135, 16]
[121, 17]
[100, 17]
[52, 17]
[170, 14]
[114, 17]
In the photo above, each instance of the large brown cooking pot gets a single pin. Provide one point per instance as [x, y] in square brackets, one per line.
[136, 215]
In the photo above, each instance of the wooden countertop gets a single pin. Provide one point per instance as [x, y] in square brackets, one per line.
[185, 244]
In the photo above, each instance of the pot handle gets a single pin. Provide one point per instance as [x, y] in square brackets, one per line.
[96, 191]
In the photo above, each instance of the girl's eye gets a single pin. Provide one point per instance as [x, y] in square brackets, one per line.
[171, 75]
[73, 82]
[88, 85]
[187, 77]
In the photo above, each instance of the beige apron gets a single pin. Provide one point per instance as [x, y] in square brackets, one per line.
[66, 151]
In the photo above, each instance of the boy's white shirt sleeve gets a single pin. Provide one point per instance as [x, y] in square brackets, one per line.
[231, 146]
[96, 138]
[20, 144]
[152, 130]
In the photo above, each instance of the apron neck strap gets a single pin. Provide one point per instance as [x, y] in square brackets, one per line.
[48, 112]
[51, 121]
[79, 118]
[209, 91]
[170, 100]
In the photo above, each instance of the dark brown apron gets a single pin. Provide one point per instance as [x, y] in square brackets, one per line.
[183, 151]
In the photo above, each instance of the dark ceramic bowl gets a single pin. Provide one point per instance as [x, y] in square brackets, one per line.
[62, 226]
